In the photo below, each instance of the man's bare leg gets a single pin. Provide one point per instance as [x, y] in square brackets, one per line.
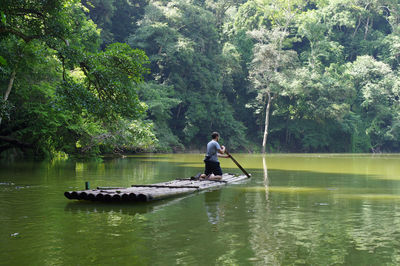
[210, 177]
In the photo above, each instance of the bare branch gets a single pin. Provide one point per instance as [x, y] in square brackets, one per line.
[26, 38]
[24, 11]
[16, 142]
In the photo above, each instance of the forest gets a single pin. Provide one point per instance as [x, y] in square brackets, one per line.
[93, 77]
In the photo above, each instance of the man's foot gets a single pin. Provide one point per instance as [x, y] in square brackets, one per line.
[203, 177]
[196, 177]
[215, 177]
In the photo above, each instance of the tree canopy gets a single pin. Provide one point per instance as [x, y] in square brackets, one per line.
[90, 77]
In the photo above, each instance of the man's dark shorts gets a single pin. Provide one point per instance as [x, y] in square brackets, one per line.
[212, 168]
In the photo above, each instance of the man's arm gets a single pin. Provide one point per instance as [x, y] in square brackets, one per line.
[221, 153]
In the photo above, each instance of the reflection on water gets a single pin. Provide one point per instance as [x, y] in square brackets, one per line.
[266, 180]
[296, 209]
[211, 200]
[126, 208]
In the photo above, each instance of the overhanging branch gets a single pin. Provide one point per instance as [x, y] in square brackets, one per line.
[25, 11]
[16, 142]
[26, 38]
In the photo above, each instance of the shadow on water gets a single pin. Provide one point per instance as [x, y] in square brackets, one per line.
[212, 200]
[93, 207]
[121, 207]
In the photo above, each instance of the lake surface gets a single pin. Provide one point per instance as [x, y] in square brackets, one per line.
[317, 209]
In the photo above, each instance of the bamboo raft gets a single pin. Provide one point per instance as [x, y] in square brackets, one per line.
[145, 193]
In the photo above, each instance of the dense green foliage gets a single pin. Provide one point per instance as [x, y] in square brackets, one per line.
[328, 68]
[63, 94]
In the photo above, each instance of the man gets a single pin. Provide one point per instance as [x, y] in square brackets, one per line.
[213, 170]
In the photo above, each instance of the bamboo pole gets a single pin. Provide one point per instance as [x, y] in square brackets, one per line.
[164, 186]
[172, 193]
[92, 196]
[107, 197]
[125, 197]
[132, 197]
[68, 195]
[142, 197]
[116, 197]
[83, 195]
[238, 165]
[100, 197]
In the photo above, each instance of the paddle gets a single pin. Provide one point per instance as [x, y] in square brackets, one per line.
[241, 168]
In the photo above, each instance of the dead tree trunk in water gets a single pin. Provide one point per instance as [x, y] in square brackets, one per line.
[264, 144]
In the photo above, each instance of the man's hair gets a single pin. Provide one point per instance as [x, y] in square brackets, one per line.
[214, 135]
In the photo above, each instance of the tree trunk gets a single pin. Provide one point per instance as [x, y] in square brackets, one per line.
[287, 129]
[366, 29]
[264, 144]
[10, 84]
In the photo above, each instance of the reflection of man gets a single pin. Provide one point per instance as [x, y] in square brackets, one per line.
[212, 206]
[213, 169]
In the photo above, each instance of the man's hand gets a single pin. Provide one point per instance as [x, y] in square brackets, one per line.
[221, 152]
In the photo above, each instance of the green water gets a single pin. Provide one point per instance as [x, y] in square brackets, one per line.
[296, 209]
